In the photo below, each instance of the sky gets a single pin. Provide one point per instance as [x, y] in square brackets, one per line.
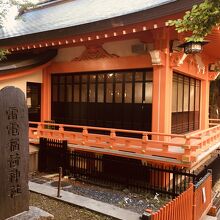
[12, 12]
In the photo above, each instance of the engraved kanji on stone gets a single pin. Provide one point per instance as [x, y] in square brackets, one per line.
[14, 175]
[14, 153]
[13, 129]
[12, 113]
[14, 190]
[13, 160]
[14, 144]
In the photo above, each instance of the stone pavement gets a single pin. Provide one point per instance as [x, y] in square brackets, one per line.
[33, 213]
[84, 202]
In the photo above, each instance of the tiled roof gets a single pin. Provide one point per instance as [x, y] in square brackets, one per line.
[74, 13]
[15, 62]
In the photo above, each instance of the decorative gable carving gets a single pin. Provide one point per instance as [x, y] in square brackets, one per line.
[213, 75]
[94, 52]
[214, 70]
[178, 58]
[200, 64]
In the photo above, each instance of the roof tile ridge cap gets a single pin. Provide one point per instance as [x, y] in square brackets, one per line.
[46, 4]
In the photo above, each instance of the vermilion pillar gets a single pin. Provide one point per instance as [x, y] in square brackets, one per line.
[162, 87]
[46, 96]
[204, 104]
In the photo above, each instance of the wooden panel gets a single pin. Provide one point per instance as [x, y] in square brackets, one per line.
[118, 107]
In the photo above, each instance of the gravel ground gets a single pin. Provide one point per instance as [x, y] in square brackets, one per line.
[63, 211]
[122, 198]
[216, 187]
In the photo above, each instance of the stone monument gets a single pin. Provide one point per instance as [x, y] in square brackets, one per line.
[14, 153]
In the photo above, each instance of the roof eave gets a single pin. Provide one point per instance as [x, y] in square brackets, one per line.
[142, 16]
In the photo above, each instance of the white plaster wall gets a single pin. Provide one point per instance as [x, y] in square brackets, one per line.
[68, 54]
[120, 48]
[21, 82]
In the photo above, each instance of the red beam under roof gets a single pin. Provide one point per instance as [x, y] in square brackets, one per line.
[212, 48]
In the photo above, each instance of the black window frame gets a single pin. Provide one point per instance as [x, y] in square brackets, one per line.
[186, 121]
[86, 107]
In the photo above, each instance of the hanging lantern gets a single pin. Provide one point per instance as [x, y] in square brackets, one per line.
[193, 47]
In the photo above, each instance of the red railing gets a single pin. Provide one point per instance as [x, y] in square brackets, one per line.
[193, 204]
[213, 122]
[181, 150]
[181, 208]
[202, 197]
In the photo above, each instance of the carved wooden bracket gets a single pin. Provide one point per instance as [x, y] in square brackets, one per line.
[200, 64]
[213, 75]
[94, 52]
[177, 59]
[157, 57]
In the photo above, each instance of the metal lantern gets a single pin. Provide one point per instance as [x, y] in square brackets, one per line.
[193, 47]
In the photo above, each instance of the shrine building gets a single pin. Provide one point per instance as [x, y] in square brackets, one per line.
[110, 77]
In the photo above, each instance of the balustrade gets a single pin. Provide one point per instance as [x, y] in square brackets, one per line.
[184, 149]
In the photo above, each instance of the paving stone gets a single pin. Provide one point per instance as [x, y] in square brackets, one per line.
[34, 213]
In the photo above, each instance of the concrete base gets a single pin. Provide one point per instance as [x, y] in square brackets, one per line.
[34, 213]
[33, 158]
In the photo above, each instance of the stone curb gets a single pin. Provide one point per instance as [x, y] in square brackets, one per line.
[33, 213]
[85, 202]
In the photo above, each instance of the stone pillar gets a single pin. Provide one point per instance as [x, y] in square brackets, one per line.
[14, 156]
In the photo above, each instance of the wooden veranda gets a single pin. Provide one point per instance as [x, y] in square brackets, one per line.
[173, 149]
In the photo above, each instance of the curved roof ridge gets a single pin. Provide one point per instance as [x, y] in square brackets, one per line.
[69, 13]
[45, 4]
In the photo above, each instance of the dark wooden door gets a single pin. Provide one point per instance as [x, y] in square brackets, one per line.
[34, 101]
